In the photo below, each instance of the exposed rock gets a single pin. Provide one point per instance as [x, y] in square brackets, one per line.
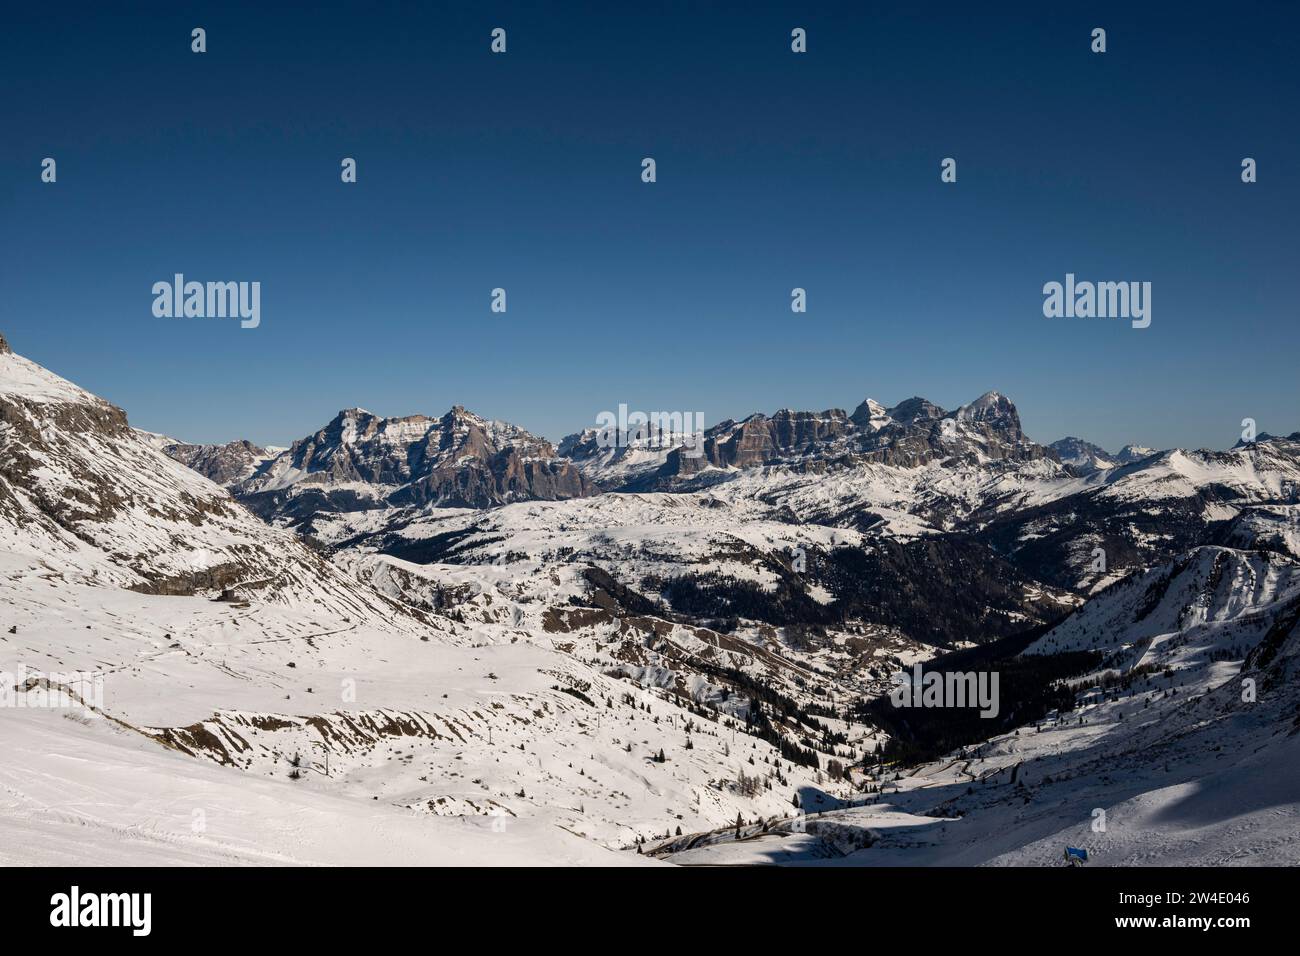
[83, 491]
[360, 461]
[224, 464]
[908, 435]
[1083, 456]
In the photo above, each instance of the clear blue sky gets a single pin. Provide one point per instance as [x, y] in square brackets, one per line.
[775, 170]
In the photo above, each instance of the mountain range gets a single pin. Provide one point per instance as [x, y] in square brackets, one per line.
[900, 472]
[428, 639]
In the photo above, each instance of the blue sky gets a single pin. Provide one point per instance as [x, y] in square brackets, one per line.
[775, 170]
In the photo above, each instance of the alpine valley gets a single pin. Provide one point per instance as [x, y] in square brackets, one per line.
[445, 640]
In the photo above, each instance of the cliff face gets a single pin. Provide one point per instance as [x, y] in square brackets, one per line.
[911, 434]
[361, 460]
[224, 464]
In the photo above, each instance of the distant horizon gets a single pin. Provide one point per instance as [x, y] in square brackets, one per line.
[776, 171]
[556, 440]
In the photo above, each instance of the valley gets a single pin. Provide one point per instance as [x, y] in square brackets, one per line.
[441, 640]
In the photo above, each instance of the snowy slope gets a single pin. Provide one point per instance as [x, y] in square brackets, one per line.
[86, 498]
[114, 555]
[1183, 748]
[574, 679]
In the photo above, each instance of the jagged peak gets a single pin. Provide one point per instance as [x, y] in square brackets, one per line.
[459, 413]
[786, 413]
[991, 397]
[870, 404]
[165, 443]
[992, 408]
[915, 408]
[351, 414]
[869, 414]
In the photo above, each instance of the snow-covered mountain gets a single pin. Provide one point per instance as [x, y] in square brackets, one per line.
[911, 434]
[83, 493]
[1086, 458]
[910, 470]
[1083, 456]
[1178, 746]
[361, 461]
[915, 471]
[988, 497]
[485, 654]
[1086, 533]
[1266, 528]
[308, 713]
[227, 464]
[1131, 453]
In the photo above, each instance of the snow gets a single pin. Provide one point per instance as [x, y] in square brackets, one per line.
[482, 708]
[22, 378]
[78, 792]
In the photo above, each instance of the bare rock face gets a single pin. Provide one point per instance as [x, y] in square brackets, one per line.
[788, 434]
[985, 433]
[4, 346]
[915, 410]
[223, 464]
[362, 461]
[1083, 456]
[910, 434]
[44, 424]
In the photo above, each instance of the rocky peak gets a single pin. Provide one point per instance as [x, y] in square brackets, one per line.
[870, 415]
[915, 410]
[224, 464]
[996, 411]
[458, 419]
[786, 435]
[908, 435]
[1083, 456]
[350, 422]
[4, 346]
[457, 459]
[991, 406]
